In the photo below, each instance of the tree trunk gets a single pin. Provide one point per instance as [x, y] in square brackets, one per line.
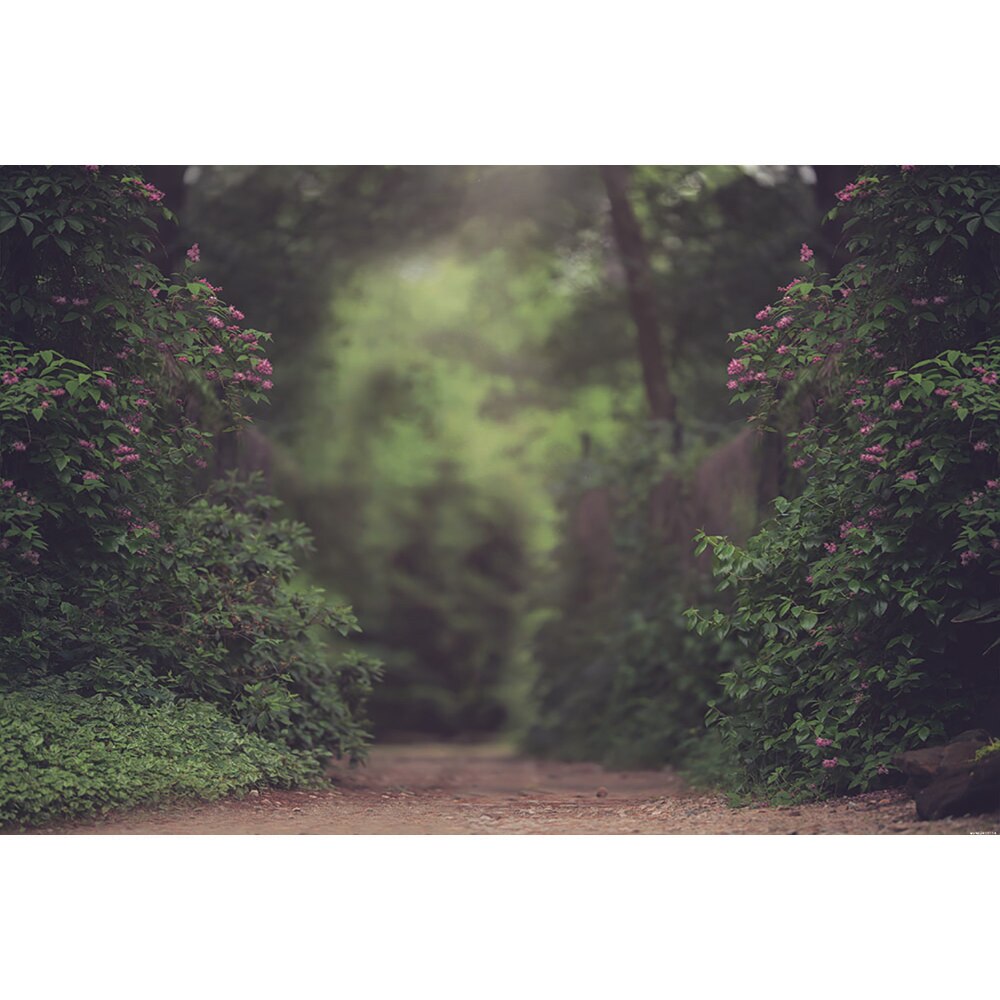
[641, 297]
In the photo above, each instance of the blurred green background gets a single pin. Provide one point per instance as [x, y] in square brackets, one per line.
[459, 415]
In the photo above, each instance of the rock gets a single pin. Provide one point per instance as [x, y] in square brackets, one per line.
[948, 781]
[925, 765]
[974, 789]
[254, 794]
[602, 792]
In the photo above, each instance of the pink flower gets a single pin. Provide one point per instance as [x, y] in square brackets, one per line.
[830, 547]
[103, 407]
[798, 463]
[910, 476]
[735, 367]
[91, 476]
[267, 384]
[19, 446]
[805, 254]
[896, 407]
[881, 769]
[990, 378]
[783, 323]
[821, 742]
[830, 762]
[782, 348]
[194, 254]
[968, 556]
[215, 322]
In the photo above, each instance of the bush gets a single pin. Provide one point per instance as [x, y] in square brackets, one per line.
[114, 564]
[868, 605]
[64, 755]
[621, 678]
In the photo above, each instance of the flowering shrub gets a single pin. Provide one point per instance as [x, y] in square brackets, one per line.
[113, 379]
[868, 604]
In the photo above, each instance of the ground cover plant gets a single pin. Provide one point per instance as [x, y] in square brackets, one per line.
[139, 597]
[868, 605]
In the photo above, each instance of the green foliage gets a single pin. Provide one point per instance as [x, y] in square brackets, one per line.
[868, 604]
[622, 680]
[423, 504]
[64, 755]
[114, 378]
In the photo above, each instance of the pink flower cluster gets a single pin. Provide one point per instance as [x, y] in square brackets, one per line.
[148, 191]
[805, 254]
[194, 254]
[821, 742]
[852, 191]
[830, 762]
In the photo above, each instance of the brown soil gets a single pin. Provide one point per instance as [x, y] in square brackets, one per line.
[444, 788]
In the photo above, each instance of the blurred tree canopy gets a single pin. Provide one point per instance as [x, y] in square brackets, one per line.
[457, 348]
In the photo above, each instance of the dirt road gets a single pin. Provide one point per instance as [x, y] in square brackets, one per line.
[455, 789]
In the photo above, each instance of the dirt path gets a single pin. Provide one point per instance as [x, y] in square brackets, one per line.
[439, 788]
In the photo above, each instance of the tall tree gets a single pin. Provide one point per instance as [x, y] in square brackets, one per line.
[641, 297]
